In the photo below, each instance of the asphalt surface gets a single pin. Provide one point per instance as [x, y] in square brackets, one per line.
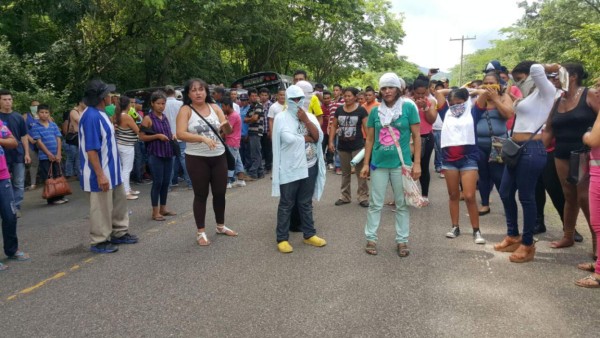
[167, 285]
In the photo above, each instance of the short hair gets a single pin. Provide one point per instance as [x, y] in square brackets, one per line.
[320, 86]
[227, 102]
[157, 95]
[219, 90]
[169, 90]
[5, 92]
[369, 89]
[352, 90]
[326, 92]
[252, 91]
[44, 106]
[301, 71]
[264, 90]
[338, 86]
[459, 93]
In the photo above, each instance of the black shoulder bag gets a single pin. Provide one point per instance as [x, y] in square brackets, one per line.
[228, 154]
[71, 138]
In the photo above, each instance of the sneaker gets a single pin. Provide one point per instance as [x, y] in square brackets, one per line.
[442, 175]
[455, 232]
[19, 256]
[330, 166]
[229, 186]
[239, 183]
[132, 197]
[65, 199]
[338, 171]
[284, 247]
[104, 247]
[134, 192]
[478, 238]
[125, 239]
[57, 202]
[315, 241]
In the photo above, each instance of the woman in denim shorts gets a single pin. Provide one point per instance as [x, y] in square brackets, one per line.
[460, 155]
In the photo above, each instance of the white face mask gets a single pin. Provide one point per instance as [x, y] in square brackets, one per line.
[293, 106]
[305, 102]
[33, 110]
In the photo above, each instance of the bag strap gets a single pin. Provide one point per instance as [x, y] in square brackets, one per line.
[487, 117]
[209, 125]
[397, 144]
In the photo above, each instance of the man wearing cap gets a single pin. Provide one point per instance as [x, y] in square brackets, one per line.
[101, 172]
[298, 168]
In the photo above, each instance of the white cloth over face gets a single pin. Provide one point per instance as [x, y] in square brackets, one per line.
[458, 131]
[389, 114]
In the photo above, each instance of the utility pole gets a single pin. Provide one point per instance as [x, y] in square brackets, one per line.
[462, 47]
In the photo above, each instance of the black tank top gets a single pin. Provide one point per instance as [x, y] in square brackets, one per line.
[569, 127]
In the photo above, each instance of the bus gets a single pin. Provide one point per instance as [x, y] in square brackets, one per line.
[271, 80]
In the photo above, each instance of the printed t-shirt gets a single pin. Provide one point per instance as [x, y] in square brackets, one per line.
[385, 154]
[350, 134]
[4, 133]
[48, 136]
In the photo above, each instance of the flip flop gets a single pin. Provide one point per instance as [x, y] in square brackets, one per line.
[591, 267]
[371, 248]
[159, 218]
[589, 282]
[169, 213]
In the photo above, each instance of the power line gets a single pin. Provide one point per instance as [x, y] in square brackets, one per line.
[462, 48]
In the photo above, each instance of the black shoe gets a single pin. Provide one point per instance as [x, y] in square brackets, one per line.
[539, 228]
[104, 247]
[577, 237]
[364, 204]
[340, 202]
[483, 213]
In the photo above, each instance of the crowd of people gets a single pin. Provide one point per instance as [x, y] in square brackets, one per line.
[514, 130]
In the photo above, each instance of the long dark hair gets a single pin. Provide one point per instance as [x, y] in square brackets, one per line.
[186, 91]
[123, 104]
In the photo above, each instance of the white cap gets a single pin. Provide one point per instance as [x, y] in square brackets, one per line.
[391, 80]
[294, 91]
[178, 94]
[306, 87]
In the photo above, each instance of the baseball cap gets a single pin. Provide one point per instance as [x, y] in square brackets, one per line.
[244, 97]
[139, 101]
[95, 91]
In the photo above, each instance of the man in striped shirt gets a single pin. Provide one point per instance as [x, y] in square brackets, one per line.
[101, 172]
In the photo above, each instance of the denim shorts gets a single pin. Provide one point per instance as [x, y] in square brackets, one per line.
[464, 164]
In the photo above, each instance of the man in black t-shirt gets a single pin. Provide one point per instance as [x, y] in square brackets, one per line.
[255, 120]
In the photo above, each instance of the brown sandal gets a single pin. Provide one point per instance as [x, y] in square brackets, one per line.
[591, 267]
[590, 282]
[403, 250]
[371, 248]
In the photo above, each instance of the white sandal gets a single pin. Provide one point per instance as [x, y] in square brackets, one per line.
[202, 235]
[223, 230]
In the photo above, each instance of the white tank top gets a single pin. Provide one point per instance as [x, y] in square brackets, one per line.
[197, 126]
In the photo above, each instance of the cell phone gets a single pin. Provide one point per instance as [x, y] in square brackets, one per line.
[434, 70]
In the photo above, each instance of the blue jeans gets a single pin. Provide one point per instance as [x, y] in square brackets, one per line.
[336, 157]
[256, 167]
[490, 174]
[523, 178]
[8, 212]
[17, 174]
[179, 164]
[72, 161]
[380, 179]
[161, 168]
[239, 166]
[297, 194]
[437, 137]
[140, 159]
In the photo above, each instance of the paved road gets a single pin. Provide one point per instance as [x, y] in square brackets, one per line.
[168, 286]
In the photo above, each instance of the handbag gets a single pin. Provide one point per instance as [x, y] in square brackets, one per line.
[71, 138]
[228, 154]
[579, 166]
[412, 193]
[511, 151]
[176, 148]
[56, 186]
[497, 143]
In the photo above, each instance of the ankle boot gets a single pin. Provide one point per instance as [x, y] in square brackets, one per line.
[508, 244]
[540, 226]
[524, 253]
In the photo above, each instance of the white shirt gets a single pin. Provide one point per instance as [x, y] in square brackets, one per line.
[236, 108]
[171, 110]
[532, 112]
[275, 109]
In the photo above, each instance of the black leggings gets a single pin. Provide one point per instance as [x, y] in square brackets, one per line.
[427, 146]
[549, 181]
[205, 171]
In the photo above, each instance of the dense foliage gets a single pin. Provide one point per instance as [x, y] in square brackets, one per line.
[549, 31]
[55, 46]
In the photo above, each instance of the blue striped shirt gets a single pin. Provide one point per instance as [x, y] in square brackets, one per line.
[96, 133]
[48, 137]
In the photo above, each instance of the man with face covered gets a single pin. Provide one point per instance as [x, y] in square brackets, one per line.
[298, 168]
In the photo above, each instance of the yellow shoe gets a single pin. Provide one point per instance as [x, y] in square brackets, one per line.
[284, 247]
[315, 241]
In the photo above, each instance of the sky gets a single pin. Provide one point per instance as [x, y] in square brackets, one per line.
[430, 24]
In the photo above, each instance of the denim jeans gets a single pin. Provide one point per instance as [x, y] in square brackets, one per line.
[72, 160]
[179, 164]
[298, 193]
[437, 137]
[490, 174]
[256, 167]
[17, 174]
[161, 168]
[336, 157]
[523, 178]
[239, 166]
[380, 179]
[8, 212]
[140, 160]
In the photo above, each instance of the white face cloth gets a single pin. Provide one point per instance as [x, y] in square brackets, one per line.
[458, 128]
[389, 114]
